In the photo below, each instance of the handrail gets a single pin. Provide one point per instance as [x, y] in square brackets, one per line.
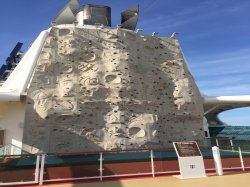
[231, 146]
[226, 138]
[116, 151]
[94, 152]
[10, 145]
[41, 163]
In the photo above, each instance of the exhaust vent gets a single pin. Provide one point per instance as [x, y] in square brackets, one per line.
[130, 18]
[95, 14]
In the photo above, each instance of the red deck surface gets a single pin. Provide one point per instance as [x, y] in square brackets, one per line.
[78, 171]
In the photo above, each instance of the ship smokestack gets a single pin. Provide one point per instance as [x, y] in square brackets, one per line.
[95, 14]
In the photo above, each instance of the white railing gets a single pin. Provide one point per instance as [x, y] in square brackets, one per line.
[11, 149]
[40, 166]
[36, 176]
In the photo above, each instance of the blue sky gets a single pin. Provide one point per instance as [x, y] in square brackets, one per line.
[214, 35]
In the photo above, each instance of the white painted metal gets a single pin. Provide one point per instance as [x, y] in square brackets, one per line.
[79, 18]
[67, 14]
[211, 109]
[16, 183]
[65, 17]
[26, 182]
[8, 96]
[41, 181]
[94, 27]
[17, 82]
[226, 99]
[217, 160]
[217, 142]
[42, 170]
[232, 145]
[190, 166]
[37, 168]
[152, 162]
[101, 168]
[241, 159]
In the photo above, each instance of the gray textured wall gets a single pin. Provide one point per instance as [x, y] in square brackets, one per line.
[110, 89]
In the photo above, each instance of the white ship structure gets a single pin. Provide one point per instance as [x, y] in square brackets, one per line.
[83, 85]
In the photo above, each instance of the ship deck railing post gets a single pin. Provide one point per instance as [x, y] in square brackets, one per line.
[42, 169]
[152, 162]
[217, 142]
[232, 145]
[101, 167]
[37, 168]
[241, 159]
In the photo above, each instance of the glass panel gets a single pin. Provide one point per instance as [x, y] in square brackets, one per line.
[225, 142]
[71, 166]
[2, 151]
[166, 161]
[11, 150]
[17, 168]
[16, 150]
[5, 150]
[241, 142]
[208, 157]
[245, 150]
[210, 142]
[230, 158]
[122, 163]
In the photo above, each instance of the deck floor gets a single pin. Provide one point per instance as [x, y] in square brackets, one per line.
[228, 180]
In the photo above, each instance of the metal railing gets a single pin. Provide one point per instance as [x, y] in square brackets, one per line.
[19, 170]
[11, 149]
[220, 141]
[57, 167]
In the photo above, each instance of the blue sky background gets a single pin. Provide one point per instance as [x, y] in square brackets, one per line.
[214, 35]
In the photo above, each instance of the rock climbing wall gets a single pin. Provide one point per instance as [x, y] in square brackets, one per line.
[95, 89]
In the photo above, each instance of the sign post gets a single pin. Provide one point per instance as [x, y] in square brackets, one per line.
[190, 160]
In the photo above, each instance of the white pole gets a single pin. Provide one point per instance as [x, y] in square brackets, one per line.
[241, 159]
[11, 149]
[42, 169]
[217, 142]
[152, 162]
[101, 166]
[232, 145]
[37, 168]
[217, 160]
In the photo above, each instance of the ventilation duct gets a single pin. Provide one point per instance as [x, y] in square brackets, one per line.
[130, 18]
[95, 14]
[67, 14]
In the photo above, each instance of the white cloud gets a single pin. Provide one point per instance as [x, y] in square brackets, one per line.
[202, 11]
[225, 58]
[227, 90]
[224, 81]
